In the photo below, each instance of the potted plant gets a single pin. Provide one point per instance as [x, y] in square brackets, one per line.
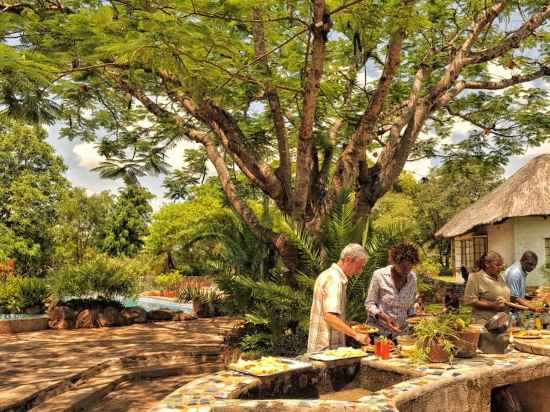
[467, 338]
[435, 338]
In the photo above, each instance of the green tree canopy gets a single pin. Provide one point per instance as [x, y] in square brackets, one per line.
[293, 94]
[31, 185]
[81, 224]
[126, 225]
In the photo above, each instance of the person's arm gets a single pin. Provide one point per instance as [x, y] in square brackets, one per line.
[332, 306]
[525, 302]
[471, 297]
[335, 322]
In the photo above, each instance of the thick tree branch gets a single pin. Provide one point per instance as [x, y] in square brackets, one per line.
[513, 41]
[274, 104]
[394, 155]
[320, 28]
[352, 161]
[280, 241]
[461, 85]
[460, 58]
[232, 138]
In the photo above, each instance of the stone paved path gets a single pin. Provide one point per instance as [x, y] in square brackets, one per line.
[34, 360]
[140, 396]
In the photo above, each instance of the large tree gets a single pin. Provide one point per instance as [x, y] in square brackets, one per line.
[294, 94]
[31, 186]
[126, 224]
[81, 224]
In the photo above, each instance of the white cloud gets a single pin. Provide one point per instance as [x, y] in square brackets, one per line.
[87, 155]
[498, 72]
[419, 168]
[516, 162]
[174, 156]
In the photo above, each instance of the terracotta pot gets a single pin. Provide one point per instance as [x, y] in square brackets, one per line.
[437, 354]
[466, 344]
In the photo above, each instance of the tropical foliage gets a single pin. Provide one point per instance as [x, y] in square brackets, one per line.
[18, 293]
[99, 277]
[277, 307]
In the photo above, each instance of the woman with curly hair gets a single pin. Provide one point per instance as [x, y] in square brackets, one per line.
[392, 291]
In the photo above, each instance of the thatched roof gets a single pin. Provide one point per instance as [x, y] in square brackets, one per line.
[526, 193]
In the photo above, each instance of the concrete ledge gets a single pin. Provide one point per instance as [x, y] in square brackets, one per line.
[25, 324]
[464, 386]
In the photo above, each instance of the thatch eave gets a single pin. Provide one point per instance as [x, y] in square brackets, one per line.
[526, 193]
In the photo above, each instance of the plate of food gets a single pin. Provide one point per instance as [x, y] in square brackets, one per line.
[527, 334]
[415, 320]
[268, 366]
[366, 329]
[337, 354]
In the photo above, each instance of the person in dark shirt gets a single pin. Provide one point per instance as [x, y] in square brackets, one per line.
[464, 272]
[452, 302]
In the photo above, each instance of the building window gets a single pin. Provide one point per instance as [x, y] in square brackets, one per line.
[470, 250]
[547, 252]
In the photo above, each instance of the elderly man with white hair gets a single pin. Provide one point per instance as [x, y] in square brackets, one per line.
[327, 323]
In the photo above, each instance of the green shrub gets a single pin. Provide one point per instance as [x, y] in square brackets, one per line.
[100, 277]
[168, 281]
[18, 293]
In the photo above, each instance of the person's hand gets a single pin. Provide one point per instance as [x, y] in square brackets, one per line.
[501, 301]
[499, 307]
[392, 324]
[362, 338]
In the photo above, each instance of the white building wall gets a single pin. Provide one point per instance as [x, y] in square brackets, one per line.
[529, 234]
[500, 238]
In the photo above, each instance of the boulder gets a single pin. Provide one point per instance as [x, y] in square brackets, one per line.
[61, 317]
[135, 314]
[87, 318]
[183, 316]
[110, 316]
[160, 315]
[205, 309]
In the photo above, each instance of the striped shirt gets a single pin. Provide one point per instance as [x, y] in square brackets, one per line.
[384, 296]
[329, 296]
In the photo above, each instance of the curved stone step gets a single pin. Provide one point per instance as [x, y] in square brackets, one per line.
[106, 375]
[88, 393]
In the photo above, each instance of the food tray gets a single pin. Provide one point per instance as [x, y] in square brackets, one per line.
[521, 334]
[365, 329]
[324, 357]
[293, 365]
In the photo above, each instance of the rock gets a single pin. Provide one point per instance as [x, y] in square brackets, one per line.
[160, 315]
[110, 316]
[183, 316]
[135, 314]
[61, 317]
[205, 309]
[87, 318]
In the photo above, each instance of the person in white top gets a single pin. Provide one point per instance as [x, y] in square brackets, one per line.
[327, 324]
[392, 291]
